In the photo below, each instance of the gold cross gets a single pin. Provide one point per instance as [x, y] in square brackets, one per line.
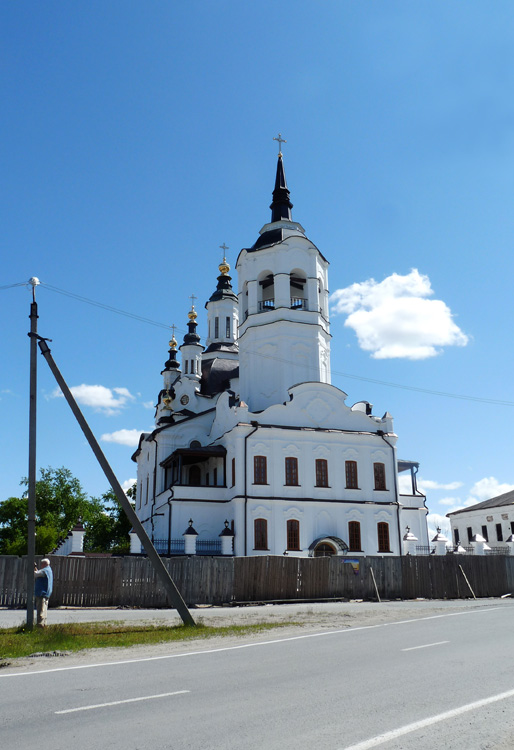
[280, 142]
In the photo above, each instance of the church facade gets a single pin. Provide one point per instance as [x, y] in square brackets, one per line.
[254, 452]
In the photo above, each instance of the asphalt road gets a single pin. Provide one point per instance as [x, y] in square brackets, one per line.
[337, 689]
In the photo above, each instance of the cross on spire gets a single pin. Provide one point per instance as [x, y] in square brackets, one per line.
[192, 298]
[173, 326]
[280, 142]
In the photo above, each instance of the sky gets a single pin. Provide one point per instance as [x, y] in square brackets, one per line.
[136, 138]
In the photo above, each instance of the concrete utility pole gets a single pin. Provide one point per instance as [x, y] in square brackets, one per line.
[173, 593]
[31, 522]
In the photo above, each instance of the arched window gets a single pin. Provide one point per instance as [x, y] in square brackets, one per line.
[195, 476]
[297, 284]
[259, 470]
[351, 475]
[321, 472]
[380, 476]
[266, 292]
[293, 534]
[383, 537]
[260, 533]
[354, 536]
[291, 471]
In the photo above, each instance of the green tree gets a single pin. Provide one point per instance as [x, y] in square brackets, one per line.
[108, 527]
[60, 503]
[13, 526]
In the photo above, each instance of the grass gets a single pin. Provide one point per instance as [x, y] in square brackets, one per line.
[17, 642]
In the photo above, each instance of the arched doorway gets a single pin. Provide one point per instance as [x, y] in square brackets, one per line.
[324, 550]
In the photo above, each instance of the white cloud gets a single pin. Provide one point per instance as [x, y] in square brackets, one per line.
[487, 488]
[107, 400]
[404, 484]
[392, 318]
[429, 484]
[122, 437]
[128, 483]
[148, 404]
[450, 501]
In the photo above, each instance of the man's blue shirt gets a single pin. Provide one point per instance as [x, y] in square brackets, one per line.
[43, 584]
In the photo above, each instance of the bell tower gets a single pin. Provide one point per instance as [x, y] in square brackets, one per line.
[284, 336]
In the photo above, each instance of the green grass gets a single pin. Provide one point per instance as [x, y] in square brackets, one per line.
[17, 642]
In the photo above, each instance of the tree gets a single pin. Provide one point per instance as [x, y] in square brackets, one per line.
[60, 503]
[13, 526]
[108, 528]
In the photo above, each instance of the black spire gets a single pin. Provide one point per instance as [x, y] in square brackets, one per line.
[281, 205]
[224, 288]
[191, 336]
[172, 363]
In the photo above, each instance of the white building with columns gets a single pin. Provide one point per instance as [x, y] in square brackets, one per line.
[254, 452]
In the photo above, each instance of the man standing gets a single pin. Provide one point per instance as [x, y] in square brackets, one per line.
[44, 579]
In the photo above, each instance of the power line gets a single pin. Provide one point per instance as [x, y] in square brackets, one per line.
[10, 286]
[109, 308]
[149, 321]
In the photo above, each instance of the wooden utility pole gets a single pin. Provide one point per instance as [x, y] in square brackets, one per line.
[31, 522]
[173, 593]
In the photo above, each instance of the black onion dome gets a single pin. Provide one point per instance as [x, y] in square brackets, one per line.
[223, 290]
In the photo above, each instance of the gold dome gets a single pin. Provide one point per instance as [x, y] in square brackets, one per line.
[192, 315]
[224, 267]
[173, 342]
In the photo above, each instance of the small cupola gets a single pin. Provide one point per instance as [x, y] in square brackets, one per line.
[191, 349]
[222, 312]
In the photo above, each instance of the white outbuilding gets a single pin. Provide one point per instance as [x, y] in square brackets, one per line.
[492, 520]
[254, 452]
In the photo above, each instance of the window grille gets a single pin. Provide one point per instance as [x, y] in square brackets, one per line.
[354, 536]
[380, 476]
[291, 471]
[293, 535]
[259, 470]
[321, 472]
[260, 533]
[351, 475]
[383, 537]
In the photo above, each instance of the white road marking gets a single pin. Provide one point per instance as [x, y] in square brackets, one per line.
[245, 645]
[408, 728]
[426, 645]
[118, 703]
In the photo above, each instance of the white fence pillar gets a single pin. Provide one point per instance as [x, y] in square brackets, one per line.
[440, 542]
[227, 536]
[190, 539]
[409, 542]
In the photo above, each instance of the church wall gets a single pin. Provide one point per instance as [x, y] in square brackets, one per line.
[318, 520]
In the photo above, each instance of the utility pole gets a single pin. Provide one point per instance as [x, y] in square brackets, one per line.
[173, 593]
[31, 521]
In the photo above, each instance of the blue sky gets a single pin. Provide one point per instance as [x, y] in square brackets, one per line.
[137, 137]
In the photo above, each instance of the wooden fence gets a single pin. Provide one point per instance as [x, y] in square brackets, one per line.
[131, 581]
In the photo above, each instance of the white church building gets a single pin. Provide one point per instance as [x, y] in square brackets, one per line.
[254, 452]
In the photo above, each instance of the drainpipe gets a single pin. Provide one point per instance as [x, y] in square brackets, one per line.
[255, 426]
[154, 485]
[395, 471]
[169, 520]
